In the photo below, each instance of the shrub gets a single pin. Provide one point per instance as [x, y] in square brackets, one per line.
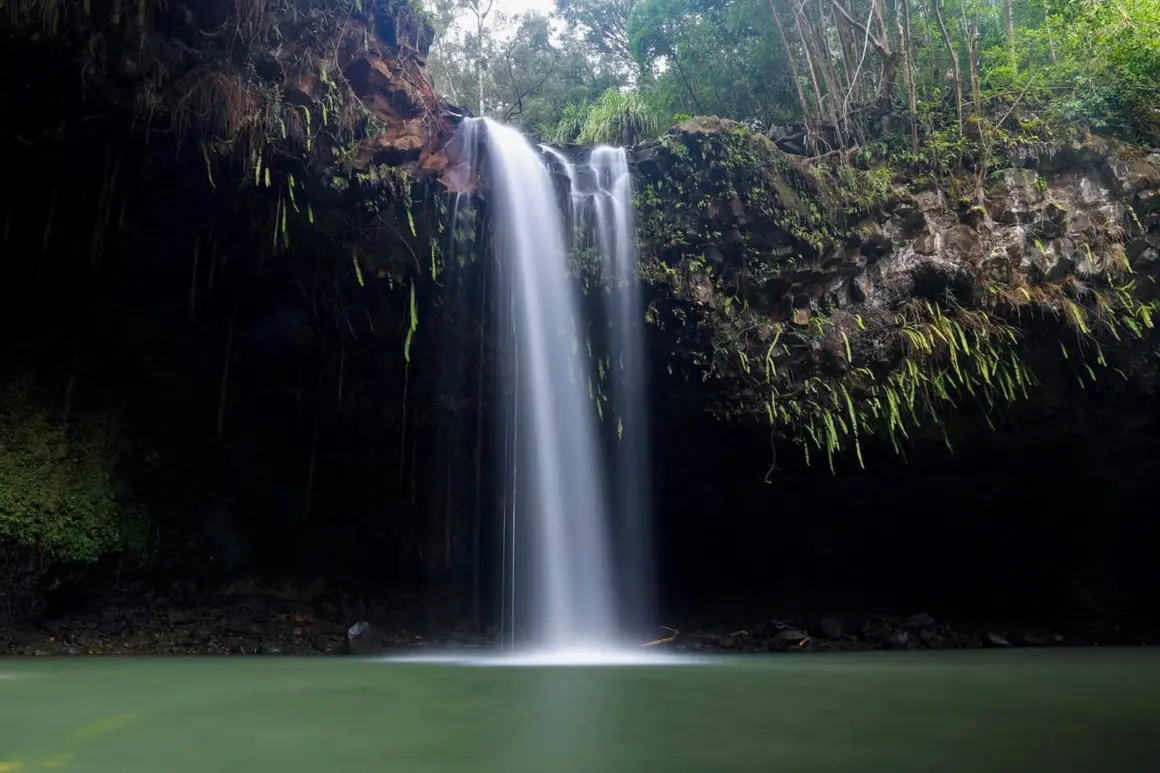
[60, 495]
[620, 118]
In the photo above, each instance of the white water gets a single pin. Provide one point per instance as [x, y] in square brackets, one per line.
[566, 165]
[616, 233]
[575, 199]
[599, 656]
[559, 490]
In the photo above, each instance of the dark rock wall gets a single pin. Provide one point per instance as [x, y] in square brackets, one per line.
[773, 279]
[792, 305]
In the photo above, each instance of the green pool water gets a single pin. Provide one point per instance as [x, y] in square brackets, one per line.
[1079, 710]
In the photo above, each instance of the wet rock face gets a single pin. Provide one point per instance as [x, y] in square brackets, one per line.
[740, 241]
[398, 92]
[295, 79]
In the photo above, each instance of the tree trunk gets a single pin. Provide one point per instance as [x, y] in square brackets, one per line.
[798, 17]
[797, 82]
[849, 49]
[911, 74]
[882, 45]
[889, 65]
[1010, 15]
[688, 86]
[970, 35]
[1047, 25]
[479, 62]
[829, 74]
[956, 73]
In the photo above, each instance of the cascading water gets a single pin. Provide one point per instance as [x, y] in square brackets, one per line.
[569, 170]
[615, 229]
[559, 492]
[575, 577]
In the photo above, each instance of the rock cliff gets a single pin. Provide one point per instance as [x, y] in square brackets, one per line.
[835, 301]
[339, 86]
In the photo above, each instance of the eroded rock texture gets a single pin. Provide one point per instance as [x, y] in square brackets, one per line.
[340, 85]
[840, 300]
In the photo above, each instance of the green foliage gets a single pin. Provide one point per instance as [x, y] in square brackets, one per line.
[1099, 317]
[414, 325]
[712, 57]
[1110, 63]
[620, 118]
[59, 489]
[570, 125]
[945, 358]
[524, 73]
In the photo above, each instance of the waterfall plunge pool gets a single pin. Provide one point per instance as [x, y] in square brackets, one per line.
[1069, 710]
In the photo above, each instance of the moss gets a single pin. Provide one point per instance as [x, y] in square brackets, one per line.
[710, 162]
[59, 491]
[769, 341]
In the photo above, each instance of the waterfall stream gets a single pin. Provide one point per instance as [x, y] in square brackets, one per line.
[576, 580]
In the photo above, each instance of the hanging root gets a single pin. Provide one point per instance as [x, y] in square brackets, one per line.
[673, 634]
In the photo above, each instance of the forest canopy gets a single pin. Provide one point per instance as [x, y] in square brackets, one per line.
[835, 72]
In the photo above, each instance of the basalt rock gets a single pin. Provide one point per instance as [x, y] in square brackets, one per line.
[833, 299]
[338, 87]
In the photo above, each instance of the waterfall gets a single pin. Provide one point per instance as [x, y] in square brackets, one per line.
[563, 578]
[569, 170]
[575, 577]
[615, 229]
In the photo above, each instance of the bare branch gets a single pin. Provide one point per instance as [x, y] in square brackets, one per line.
[877, 43]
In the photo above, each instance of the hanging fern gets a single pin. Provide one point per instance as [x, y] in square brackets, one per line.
[414, 326]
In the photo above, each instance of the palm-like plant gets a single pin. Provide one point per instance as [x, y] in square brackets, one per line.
[620, 118]
[570, 125]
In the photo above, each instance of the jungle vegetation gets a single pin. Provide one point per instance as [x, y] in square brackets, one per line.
[836, 71]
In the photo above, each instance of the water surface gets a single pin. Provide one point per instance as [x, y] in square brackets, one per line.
[1089, 710]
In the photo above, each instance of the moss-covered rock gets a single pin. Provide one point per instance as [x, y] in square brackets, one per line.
[839, 298]
[329, 87]
[60, 496]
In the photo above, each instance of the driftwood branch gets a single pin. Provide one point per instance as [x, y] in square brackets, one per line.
[673, 634]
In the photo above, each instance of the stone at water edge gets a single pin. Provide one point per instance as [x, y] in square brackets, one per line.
[924, 627]
[788, 638]
[360, 639]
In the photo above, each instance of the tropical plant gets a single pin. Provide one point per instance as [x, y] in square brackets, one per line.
[620, 118]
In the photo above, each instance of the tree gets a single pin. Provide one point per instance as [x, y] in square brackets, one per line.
[830, 66]
[604, 25]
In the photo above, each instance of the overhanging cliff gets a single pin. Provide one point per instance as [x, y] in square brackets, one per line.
[835, 301]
